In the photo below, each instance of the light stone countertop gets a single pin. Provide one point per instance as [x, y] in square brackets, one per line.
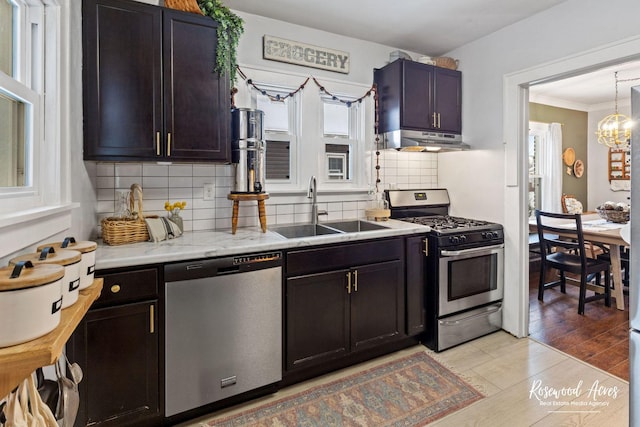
[207, 244]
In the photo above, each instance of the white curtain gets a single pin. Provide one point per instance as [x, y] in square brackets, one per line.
[551, 168]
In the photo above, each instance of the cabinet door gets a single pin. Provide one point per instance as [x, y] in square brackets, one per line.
[448, 100]
[317, 313]
[417, 102]
[197, 101]
[377, 304]
[117, 349]
[122, 91]
[416, 282]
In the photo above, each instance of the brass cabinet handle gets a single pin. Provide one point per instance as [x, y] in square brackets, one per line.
[169, 144]
[426, 247]
[439, 121]
[434, 119]
[151, 319]
[355, 280]
[115, 288]
[157, 143]
[349, 282]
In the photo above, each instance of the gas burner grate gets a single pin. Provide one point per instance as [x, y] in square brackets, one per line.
[446, 222]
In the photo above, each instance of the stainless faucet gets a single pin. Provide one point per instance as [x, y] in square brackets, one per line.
[311, 194]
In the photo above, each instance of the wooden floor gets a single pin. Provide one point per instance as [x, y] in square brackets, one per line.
[600, 337]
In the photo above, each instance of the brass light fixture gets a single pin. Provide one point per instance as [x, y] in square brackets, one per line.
[615, 129]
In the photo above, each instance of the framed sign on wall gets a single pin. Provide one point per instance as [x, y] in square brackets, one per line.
[307, 55]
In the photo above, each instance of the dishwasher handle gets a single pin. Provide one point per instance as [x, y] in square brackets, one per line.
[213, 267]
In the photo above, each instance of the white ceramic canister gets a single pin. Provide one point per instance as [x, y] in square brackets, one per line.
[69, 259]
[88, 263]
[30, 301]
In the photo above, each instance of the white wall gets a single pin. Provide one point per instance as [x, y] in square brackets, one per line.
[565, 31]
[598, 186]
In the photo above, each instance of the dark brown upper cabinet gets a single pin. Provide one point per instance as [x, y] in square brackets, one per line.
[416, 96]
[150, 92]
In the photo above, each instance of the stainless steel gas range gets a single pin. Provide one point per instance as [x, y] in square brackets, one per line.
[464, 283]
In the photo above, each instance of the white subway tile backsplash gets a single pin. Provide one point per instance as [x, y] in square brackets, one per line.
[186, 181]
[106, 206]
[181, 170]
[150, 193]
[302, 217]
[155, 182]
[125, 182]
[200, 181]
[284, 209]
[180, 181]
[150, 169]
[224, 170]
[105, 182]
[105, 169]
[349, 206]
[198, 203]
[128, 169]
[179, 194]
[204, 170]
[220, 224]
[105, 194]
[285, 219]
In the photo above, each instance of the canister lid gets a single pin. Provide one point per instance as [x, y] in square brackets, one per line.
[49, 255]
[27, 275]
[70, 243]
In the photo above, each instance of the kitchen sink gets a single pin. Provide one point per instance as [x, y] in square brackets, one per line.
[304, 230]
[355, 226]
[310, 230]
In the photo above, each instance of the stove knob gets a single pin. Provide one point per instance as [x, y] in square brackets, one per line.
[454, 239]
[463, 238]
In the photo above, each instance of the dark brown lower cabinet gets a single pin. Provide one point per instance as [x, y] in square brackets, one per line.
[117, 347]
[415, 261]
[332, 314]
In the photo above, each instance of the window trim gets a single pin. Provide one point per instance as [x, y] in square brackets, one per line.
[310, 131]
[42, 209]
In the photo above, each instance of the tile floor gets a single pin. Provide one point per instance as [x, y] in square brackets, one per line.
[506, 370]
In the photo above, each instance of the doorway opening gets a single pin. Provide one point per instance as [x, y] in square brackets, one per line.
[544, 321]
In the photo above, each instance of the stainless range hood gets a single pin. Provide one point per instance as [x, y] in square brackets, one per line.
[412, 140]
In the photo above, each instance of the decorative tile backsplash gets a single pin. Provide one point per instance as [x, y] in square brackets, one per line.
[186, 182]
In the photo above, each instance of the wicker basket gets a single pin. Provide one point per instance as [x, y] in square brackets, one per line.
[186, 5]
[614, 215]
[446, 62]
[120, 231]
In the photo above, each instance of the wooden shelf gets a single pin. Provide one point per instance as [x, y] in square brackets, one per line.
[19, 361]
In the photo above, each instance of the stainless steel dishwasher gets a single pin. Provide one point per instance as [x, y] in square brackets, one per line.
[223, 328]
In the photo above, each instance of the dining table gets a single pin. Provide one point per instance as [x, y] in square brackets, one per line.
[598, 230]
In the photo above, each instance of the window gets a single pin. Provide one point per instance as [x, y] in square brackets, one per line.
[341, 126]
[34, 201]
[311, 133]
[279, 125]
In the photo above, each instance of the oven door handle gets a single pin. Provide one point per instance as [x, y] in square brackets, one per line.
[471, 251]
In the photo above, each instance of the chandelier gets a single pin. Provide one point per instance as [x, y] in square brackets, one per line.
[615, 129]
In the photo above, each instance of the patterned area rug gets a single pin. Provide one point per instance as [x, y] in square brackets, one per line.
[411, 391]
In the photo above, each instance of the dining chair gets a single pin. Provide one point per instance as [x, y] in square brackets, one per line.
[567, 255]
[624, 263]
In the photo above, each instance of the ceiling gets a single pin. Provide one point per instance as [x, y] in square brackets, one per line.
[430, 27]
[592, 88]
[435, 27]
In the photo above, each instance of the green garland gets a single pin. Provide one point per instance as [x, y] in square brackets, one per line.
[230, 28]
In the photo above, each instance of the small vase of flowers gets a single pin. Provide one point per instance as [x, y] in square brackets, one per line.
[174, 212]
